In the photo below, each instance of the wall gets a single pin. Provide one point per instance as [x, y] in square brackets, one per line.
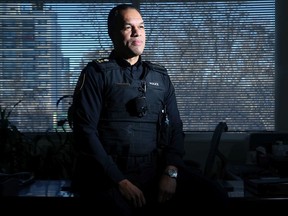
[233, 145]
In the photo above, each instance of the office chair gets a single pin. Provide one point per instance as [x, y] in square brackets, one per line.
[214, 153]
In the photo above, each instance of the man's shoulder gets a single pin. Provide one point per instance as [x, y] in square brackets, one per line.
[156, 67]
[104, 62]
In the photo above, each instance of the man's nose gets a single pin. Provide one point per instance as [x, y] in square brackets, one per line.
[136, 31]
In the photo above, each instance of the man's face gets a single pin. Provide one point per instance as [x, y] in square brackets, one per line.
[129, 36]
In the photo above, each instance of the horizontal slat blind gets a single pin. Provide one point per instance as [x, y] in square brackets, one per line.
[220, 56]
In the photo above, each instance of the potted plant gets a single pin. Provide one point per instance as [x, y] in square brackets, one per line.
[48, 155]
[11, 148]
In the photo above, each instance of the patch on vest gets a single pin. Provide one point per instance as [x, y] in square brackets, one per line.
[154, 83]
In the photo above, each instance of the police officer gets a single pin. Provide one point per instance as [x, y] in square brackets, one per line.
[118, 109]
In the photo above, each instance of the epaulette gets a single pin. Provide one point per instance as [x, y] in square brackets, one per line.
[104, 63]
[101, 60]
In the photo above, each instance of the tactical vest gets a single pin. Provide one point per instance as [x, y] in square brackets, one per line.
[121, 129]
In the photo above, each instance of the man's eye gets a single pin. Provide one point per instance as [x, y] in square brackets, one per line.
[127, 27]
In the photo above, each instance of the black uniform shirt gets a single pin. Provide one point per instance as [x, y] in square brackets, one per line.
[87, 105]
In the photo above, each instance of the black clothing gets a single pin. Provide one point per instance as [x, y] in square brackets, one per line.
[117, 110]
[104, 123]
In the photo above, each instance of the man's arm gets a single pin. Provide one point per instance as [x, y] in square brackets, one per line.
[87, 105]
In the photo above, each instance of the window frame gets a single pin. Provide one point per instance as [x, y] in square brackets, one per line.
[281, 104]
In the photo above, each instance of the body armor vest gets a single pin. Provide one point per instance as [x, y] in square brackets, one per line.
[123, 132]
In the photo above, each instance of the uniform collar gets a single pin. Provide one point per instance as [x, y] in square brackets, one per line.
[122, 62]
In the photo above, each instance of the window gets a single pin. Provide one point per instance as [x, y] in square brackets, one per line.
[220, 56]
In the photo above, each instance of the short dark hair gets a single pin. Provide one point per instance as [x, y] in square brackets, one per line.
[114, 15]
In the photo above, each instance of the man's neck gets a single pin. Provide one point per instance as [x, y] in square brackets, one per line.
[133, 60]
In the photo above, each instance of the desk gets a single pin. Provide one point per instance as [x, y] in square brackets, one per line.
[51, 195]
[243, 201]
[46, 188]
[41, 195]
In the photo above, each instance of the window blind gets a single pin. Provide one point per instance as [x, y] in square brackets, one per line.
[219, 54]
